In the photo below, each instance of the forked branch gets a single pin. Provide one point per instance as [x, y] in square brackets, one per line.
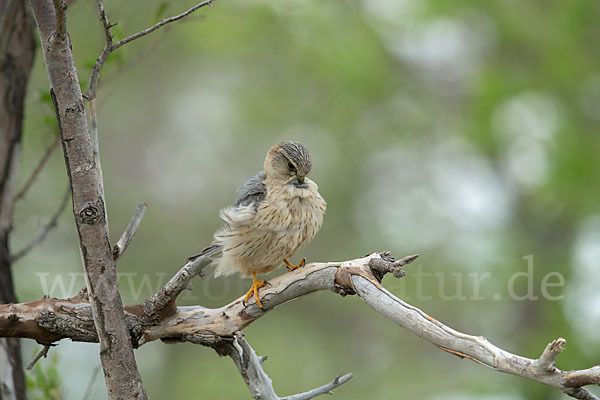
[127, 236]
[110, 46]
[49, 320]
[250, 366]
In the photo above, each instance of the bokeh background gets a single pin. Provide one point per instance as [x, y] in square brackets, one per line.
[465, 131]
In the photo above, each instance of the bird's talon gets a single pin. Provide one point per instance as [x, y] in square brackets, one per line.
[256, 284]
[291, 267]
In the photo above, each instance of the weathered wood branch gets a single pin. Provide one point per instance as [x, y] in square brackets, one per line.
[476, 348]
[48, 320]
[116, 353]
[250, 366]
[43, 353]
[127, 236]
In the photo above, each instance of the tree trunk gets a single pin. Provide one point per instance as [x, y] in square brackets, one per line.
[17, 48]
[116, 352]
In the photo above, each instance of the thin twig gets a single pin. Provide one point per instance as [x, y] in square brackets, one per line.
[61, 20]
[130, 231]
[580, 393]
[250, 366]
[109, 47]
[105, 23]
[38, 168]
[325, 389]
[42, 353]
[162, 23]
[46, 229]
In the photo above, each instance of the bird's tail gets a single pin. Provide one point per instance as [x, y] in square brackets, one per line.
[209, 251]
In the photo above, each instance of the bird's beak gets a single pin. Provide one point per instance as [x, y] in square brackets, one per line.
[301, 178]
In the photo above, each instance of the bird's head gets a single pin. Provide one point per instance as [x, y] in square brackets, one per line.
[288, 162]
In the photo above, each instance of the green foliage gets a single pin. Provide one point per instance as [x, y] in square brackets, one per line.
[43, 381]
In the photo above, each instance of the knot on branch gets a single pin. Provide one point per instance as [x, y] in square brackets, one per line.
[343, 278]
[76, 324]
[92, 213]
[12, 317]
[388, 264]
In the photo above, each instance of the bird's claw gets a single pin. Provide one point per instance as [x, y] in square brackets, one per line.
[256, 284]
[291, 267]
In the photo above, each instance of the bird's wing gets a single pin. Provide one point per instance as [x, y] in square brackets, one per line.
[250, 195]
[253, 192]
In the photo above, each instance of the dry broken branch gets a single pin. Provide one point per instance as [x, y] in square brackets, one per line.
[49, 320]
[130, 231]
[250, 366]
[42, 353]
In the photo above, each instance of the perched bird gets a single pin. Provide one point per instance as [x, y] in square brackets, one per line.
[277, 211]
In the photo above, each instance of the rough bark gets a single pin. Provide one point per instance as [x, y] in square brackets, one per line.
[120, 370]
[48, 320]
[17, 49]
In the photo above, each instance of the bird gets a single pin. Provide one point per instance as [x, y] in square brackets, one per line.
[277, 211]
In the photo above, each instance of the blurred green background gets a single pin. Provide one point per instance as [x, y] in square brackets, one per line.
[465, 131]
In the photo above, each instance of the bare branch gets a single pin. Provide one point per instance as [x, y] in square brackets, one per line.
[49, 319]
[161, 24]
[167, 295]
[38, 168]
[546, 361]
[42, 353]
[581, 394]
[130, 231]
[110, 46]
[61, 19]
[105, 24]
[474, 348]
[250, 366]
[325, 389]
[46, 229]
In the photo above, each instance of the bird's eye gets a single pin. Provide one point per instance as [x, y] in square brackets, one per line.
[291, 166]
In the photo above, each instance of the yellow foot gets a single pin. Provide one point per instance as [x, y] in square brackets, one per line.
[256, 284]
[291, 266]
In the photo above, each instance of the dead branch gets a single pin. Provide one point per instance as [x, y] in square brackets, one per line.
[48, 320]
[250, 366]
[161, 24]
[42, 353]
[130, 231]
[167, 295]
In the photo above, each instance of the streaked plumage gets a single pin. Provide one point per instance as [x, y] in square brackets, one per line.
[277, 212]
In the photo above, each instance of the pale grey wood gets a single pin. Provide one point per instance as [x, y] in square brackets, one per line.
[48, 320]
